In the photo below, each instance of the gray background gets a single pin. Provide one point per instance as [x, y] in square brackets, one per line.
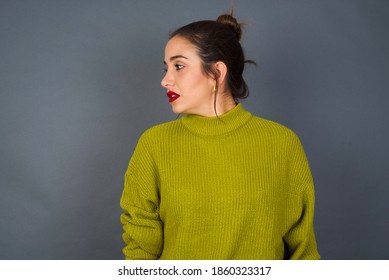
[80, 81]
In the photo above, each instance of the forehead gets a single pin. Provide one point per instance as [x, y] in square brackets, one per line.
[180, 46]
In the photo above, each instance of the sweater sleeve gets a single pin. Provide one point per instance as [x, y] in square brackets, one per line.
[143, 229]
[300, 239]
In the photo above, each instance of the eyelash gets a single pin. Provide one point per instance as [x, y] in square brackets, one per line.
[177, 66]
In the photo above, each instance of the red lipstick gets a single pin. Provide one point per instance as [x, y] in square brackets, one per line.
[172, 96]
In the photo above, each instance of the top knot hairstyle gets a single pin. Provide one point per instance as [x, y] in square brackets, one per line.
[232, 23]
[219, 41]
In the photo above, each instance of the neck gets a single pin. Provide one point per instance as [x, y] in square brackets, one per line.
[214, 126]
[224, 103]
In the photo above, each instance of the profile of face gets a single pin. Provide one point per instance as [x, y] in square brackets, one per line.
[189, 89]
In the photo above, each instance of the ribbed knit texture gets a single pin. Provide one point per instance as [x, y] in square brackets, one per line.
[229, 187]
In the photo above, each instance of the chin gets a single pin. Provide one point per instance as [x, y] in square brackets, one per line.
[177, 110]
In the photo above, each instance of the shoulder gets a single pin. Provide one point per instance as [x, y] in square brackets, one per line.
[161, 131]
[271, 128]
[274, 135]
[153, 138]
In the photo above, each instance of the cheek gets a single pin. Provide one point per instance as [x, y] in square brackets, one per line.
[199, 81]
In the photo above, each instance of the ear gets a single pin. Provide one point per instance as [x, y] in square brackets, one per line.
[221, 68]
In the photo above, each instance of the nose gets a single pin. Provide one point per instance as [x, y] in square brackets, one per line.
[167, 80]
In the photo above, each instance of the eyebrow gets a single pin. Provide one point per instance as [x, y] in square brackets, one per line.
[174, 57]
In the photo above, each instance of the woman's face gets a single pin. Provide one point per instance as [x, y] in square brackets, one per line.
[189, 90]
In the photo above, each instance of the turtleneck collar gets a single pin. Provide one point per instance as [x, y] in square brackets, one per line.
[214, 126]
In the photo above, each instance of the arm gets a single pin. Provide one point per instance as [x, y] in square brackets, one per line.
[143, 229]
[300, 239]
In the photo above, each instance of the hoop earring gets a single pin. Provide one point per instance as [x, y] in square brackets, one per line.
[214, 97]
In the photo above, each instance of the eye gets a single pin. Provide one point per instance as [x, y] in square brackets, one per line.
[178, 66]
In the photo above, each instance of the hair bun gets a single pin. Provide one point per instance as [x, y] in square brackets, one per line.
[232, 23]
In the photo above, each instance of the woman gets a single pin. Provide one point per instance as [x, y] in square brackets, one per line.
[218, 183]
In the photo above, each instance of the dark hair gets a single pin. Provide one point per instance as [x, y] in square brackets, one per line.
[219, 41]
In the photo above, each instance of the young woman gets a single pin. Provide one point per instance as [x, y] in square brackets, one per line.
[218, 183]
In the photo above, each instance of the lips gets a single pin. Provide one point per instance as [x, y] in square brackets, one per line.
[172, 96]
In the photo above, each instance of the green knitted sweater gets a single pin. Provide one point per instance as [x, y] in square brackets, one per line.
[229, 187]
